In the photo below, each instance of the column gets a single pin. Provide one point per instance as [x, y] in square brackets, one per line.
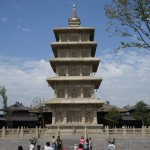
[95, 117]
[82, 96]
[81, 70]
[66, 91]
[67, 70]
[83, 116]
[65, 117]
[93, 94]
[53, 116]
[55, 91]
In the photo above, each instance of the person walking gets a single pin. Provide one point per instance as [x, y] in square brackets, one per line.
[59, 143]
[54, 142]
[82, 141]
[90, 143]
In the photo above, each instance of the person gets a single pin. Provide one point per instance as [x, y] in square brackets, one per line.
[31, 146]
[33, 141]
[111, 146]
[80, 147]
[59, 143]
[54, 142]
[20, 147]
[90, 143]
[48, 147]
[38, 147]
[75, 146]
[86, 146]
[82, 141]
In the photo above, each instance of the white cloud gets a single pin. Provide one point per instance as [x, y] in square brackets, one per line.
[26, 30]
[125, 78]
[3, 19]
[25, 79]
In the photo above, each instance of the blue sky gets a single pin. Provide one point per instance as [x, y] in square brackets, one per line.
[26, 31]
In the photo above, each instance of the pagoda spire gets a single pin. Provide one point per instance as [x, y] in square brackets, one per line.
[74, 21]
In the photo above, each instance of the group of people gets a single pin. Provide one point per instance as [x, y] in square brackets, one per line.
[56, 144]
[84, 144]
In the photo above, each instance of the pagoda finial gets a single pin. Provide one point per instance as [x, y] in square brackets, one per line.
[74, 21]
[74, 14]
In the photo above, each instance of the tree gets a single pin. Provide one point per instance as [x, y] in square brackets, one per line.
[141, 112]
[7, 111]
[4, 97]
[147, 119]
[38, 105]
[112, 117]
[130, 18]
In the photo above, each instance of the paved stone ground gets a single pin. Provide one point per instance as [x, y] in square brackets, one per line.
[69, 141]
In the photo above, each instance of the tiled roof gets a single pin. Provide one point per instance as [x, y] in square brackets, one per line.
[106, 108]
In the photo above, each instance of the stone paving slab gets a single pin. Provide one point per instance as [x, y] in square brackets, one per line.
[69, 141]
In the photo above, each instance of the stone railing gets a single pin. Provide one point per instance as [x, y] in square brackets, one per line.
[106, 132]
[127, 132]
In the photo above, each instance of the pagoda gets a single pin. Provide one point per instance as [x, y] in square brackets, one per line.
[74, 84]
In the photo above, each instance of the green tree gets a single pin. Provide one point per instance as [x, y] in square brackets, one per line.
[130, 18]
[147, 119]
[38, 105]
[112, 117]
[4, 97]
[141, 112]
[7, 111]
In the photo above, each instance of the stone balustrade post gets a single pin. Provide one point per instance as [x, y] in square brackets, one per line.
[85, 133]
[36, 132]
[107, 130]
[143, 131]
[18, 130]
[21, 132]
[3, 132]
[124, 132]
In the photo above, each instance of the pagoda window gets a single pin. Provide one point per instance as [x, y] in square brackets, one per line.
[62, 72]
[85, 37]
[85, 71]
[74, 71]
[85, 53]
[61, 93]
[59, 117]
[73, 53]
[73, 37]
[74, 93]
[87, 93]
[64, 37]
[62, 54]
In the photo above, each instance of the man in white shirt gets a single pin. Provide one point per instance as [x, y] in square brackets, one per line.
[48, 147]
[31, 146]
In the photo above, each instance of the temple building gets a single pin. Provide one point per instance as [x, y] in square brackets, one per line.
[74, 83]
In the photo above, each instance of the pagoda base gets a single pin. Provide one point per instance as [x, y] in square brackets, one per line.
[70, 129]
